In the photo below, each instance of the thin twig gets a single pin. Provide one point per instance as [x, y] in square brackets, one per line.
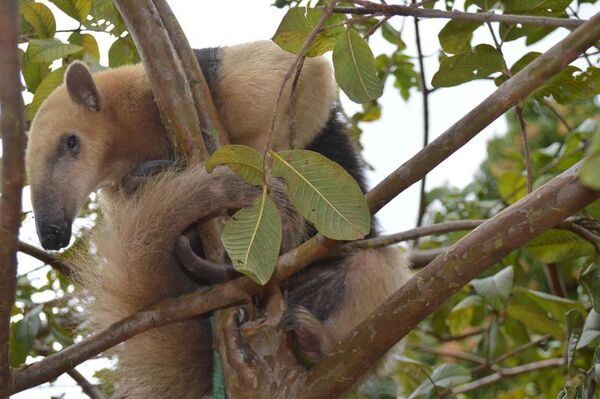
[557, 115]
[293, 98]
[12, 131]
[369, 8]
[87, 387]
[417, 232]
[425, 102]
[583, 233]
[449, 353]
[45, 257]
[507, 373]
[526, 147]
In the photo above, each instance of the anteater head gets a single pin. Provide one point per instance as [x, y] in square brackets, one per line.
[82, 137]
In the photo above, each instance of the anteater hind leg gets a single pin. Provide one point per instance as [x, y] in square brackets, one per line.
[311, 338]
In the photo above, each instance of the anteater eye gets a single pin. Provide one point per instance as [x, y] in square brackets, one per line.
[72, 142]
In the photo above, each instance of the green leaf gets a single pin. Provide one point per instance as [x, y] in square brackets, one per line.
[555, 306]
[477, 63]
[571, 84]
[88, 42]
[26, 330]
[76, 9]
[40, 19]
[324, 193]
[355, 68]
[590, 279]
[245, 161]
[559, 245]
[122, 52]
[392, 35]
[461, 315]
[456, 35]
[590, 336]
[33, 73]
[541, 8]
[299, 22]
[444, 376]
[536, 320]
[405, 75]
[252, 238]
[47, 86]
[590, 171]
[496, 288]
[105, 17]
[574, 319]
[48, 50]
[512, 186]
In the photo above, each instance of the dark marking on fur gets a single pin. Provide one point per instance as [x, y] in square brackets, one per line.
[320, 288]
[210, 61]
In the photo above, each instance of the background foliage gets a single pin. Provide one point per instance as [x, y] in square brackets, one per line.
[539, 304]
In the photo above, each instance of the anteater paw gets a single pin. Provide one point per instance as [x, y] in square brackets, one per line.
[311, 338]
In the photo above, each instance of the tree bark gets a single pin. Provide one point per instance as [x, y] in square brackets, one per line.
[12, 128]
[443, 277]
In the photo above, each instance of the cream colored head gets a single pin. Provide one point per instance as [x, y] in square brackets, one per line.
[89, 132]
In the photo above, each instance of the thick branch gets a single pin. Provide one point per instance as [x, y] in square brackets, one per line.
[369, 8]
[443, 277]
[205, 107]
[167, 76]
[222, 295]
[12, 128]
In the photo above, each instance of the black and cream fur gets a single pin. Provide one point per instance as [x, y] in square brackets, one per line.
[94, 130]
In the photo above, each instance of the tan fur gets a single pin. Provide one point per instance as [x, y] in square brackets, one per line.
[384, 268]
[127, 129]
[133, 265]
[260, 67]
[131, 269]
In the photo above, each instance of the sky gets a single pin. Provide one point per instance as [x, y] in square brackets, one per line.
[387, 143]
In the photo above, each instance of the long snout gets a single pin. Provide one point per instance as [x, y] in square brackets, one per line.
[53, 234]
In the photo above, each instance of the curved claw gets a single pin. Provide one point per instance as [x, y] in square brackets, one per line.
[312, 339]
[200, 267]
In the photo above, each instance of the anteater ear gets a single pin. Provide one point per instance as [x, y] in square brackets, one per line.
[81, 86]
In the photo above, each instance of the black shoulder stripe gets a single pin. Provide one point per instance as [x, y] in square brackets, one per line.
[210, 62]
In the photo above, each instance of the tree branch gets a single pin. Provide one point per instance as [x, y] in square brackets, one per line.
[443, 277]
[507, 373]
[221, 295]
[369, 8]
[166, 75]
[526, 147]
[506, 96]
[425, 98]
[87, 387]
[45, 257]
[12, 129]
[450, 353]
